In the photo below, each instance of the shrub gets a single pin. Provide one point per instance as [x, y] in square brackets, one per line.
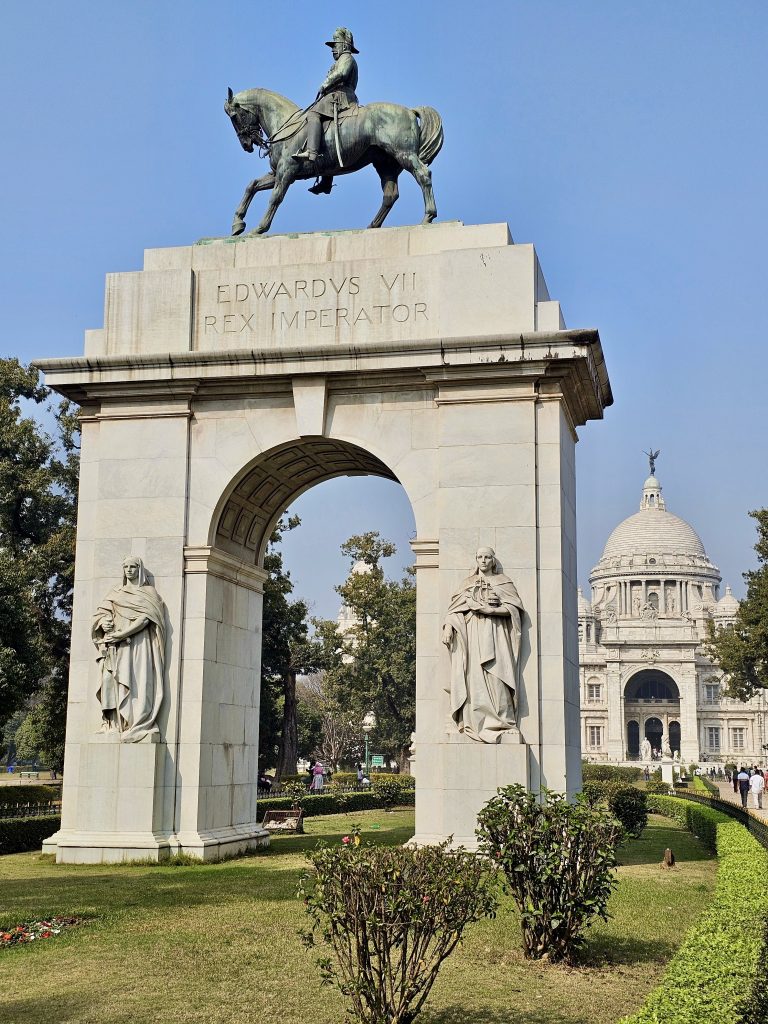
[330, 803]
[609, 773]
[388, 790]
[345, 778]
[391, 916]
[626, 803]
[10, 795]
[657, 786]
[717, 974]
[557, 858]
[296, 793]
[19, 835]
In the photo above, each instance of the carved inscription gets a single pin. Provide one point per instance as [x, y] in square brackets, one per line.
[286, 305]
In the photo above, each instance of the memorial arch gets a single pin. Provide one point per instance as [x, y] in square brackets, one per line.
[194, 443]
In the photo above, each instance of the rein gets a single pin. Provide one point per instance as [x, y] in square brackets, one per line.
[264, 142]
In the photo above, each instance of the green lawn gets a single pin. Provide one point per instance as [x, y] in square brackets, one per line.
[218, 943]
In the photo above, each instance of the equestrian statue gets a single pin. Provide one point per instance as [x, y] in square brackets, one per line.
[334, 135]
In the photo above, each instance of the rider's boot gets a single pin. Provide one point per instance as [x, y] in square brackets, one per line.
[322, 186]
[314, 134]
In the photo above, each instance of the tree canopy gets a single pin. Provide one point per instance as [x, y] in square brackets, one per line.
[741, 650]
[372, 666]
[38, 485]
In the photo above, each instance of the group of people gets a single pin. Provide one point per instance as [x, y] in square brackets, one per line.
[749, 780]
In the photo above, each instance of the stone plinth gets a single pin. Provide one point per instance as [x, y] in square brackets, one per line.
[455, 780]
[230, 377]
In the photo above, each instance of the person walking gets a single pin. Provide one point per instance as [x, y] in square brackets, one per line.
[743, 783]
[735, 779]
[756, 787]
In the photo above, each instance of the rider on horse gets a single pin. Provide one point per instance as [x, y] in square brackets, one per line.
[335, 95]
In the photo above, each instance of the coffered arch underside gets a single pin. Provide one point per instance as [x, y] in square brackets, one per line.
[276, 478]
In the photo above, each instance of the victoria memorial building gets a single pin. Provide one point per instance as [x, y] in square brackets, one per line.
[643, 672]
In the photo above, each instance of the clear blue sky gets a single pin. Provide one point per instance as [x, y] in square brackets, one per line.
[627, 140]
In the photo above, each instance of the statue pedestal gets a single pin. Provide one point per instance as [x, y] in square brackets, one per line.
[457, 778]
[668, 772]
[113, 810]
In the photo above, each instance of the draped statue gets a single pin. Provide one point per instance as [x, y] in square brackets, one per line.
[129, 632]
[482, 634]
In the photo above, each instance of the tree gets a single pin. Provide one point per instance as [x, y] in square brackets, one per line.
[373, 665]
[332, 734]
[38, 482]
[287, 651]
[741, 650]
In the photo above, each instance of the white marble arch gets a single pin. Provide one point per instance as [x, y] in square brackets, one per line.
[190, 452]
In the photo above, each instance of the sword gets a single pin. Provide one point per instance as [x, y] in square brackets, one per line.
[336, 125]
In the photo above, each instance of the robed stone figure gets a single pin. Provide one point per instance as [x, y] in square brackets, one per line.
[129, 632]
[482, 634]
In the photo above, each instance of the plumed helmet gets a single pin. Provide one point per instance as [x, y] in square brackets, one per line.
[343, 35]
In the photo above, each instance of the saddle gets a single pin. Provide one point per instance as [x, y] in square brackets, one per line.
[295, 125]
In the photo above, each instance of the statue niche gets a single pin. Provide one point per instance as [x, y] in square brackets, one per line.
[482, 634]
[129, 632]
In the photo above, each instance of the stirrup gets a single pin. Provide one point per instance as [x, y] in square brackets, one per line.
[304, 154]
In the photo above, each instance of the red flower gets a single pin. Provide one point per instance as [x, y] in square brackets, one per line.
[346, 840]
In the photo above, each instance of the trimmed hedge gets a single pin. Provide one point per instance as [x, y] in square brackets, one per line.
[717, 975]
[626, 803]
[334, 803]
[20, 835]
[609, 773]
[10, 795]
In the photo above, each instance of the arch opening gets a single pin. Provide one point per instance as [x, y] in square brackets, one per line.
[633, 739]
[674, 737]
[651, 685]
[259, 495]
[654, 730]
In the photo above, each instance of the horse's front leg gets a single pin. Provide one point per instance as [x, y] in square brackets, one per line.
[267, 181]
[283, 179]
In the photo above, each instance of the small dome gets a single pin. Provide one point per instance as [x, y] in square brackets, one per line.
[653, 483]
[727, 606]
[585, 608]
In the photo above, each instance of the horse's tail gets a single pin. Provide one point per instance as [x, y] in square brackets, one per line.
[430, 133]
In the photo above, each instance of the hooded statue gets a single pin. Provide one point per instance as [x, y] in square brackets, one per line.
[129, 632]
[482, 634]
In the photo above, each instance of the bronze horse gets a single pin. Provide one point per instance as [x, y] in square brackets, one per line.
[391, 137]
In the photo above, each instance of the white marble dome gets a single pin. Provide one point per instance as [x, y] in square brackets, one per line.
[653, 530]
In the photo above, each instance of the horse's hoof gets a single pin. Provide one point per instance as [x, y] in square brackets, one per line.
[256, 231]
[429, 218]
[238, 227]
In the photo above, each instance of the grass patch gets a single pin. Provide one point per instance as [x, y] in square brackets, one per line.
[208, 943]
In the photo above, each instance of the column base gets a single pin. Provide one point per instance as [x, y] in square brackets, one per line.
[221, 843]
[73, 847]
[120, 847]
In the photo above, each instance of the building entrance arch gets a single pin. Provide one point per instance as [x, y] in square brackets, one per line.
[633, 738]
[232, 376]
[653, 732]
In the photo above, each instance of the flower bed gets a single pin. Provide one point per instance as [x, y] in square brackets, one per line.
[30, 931]
[717, 975]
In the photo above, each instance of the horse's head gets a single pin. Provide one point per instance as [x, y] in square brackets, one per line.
[244, 120]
